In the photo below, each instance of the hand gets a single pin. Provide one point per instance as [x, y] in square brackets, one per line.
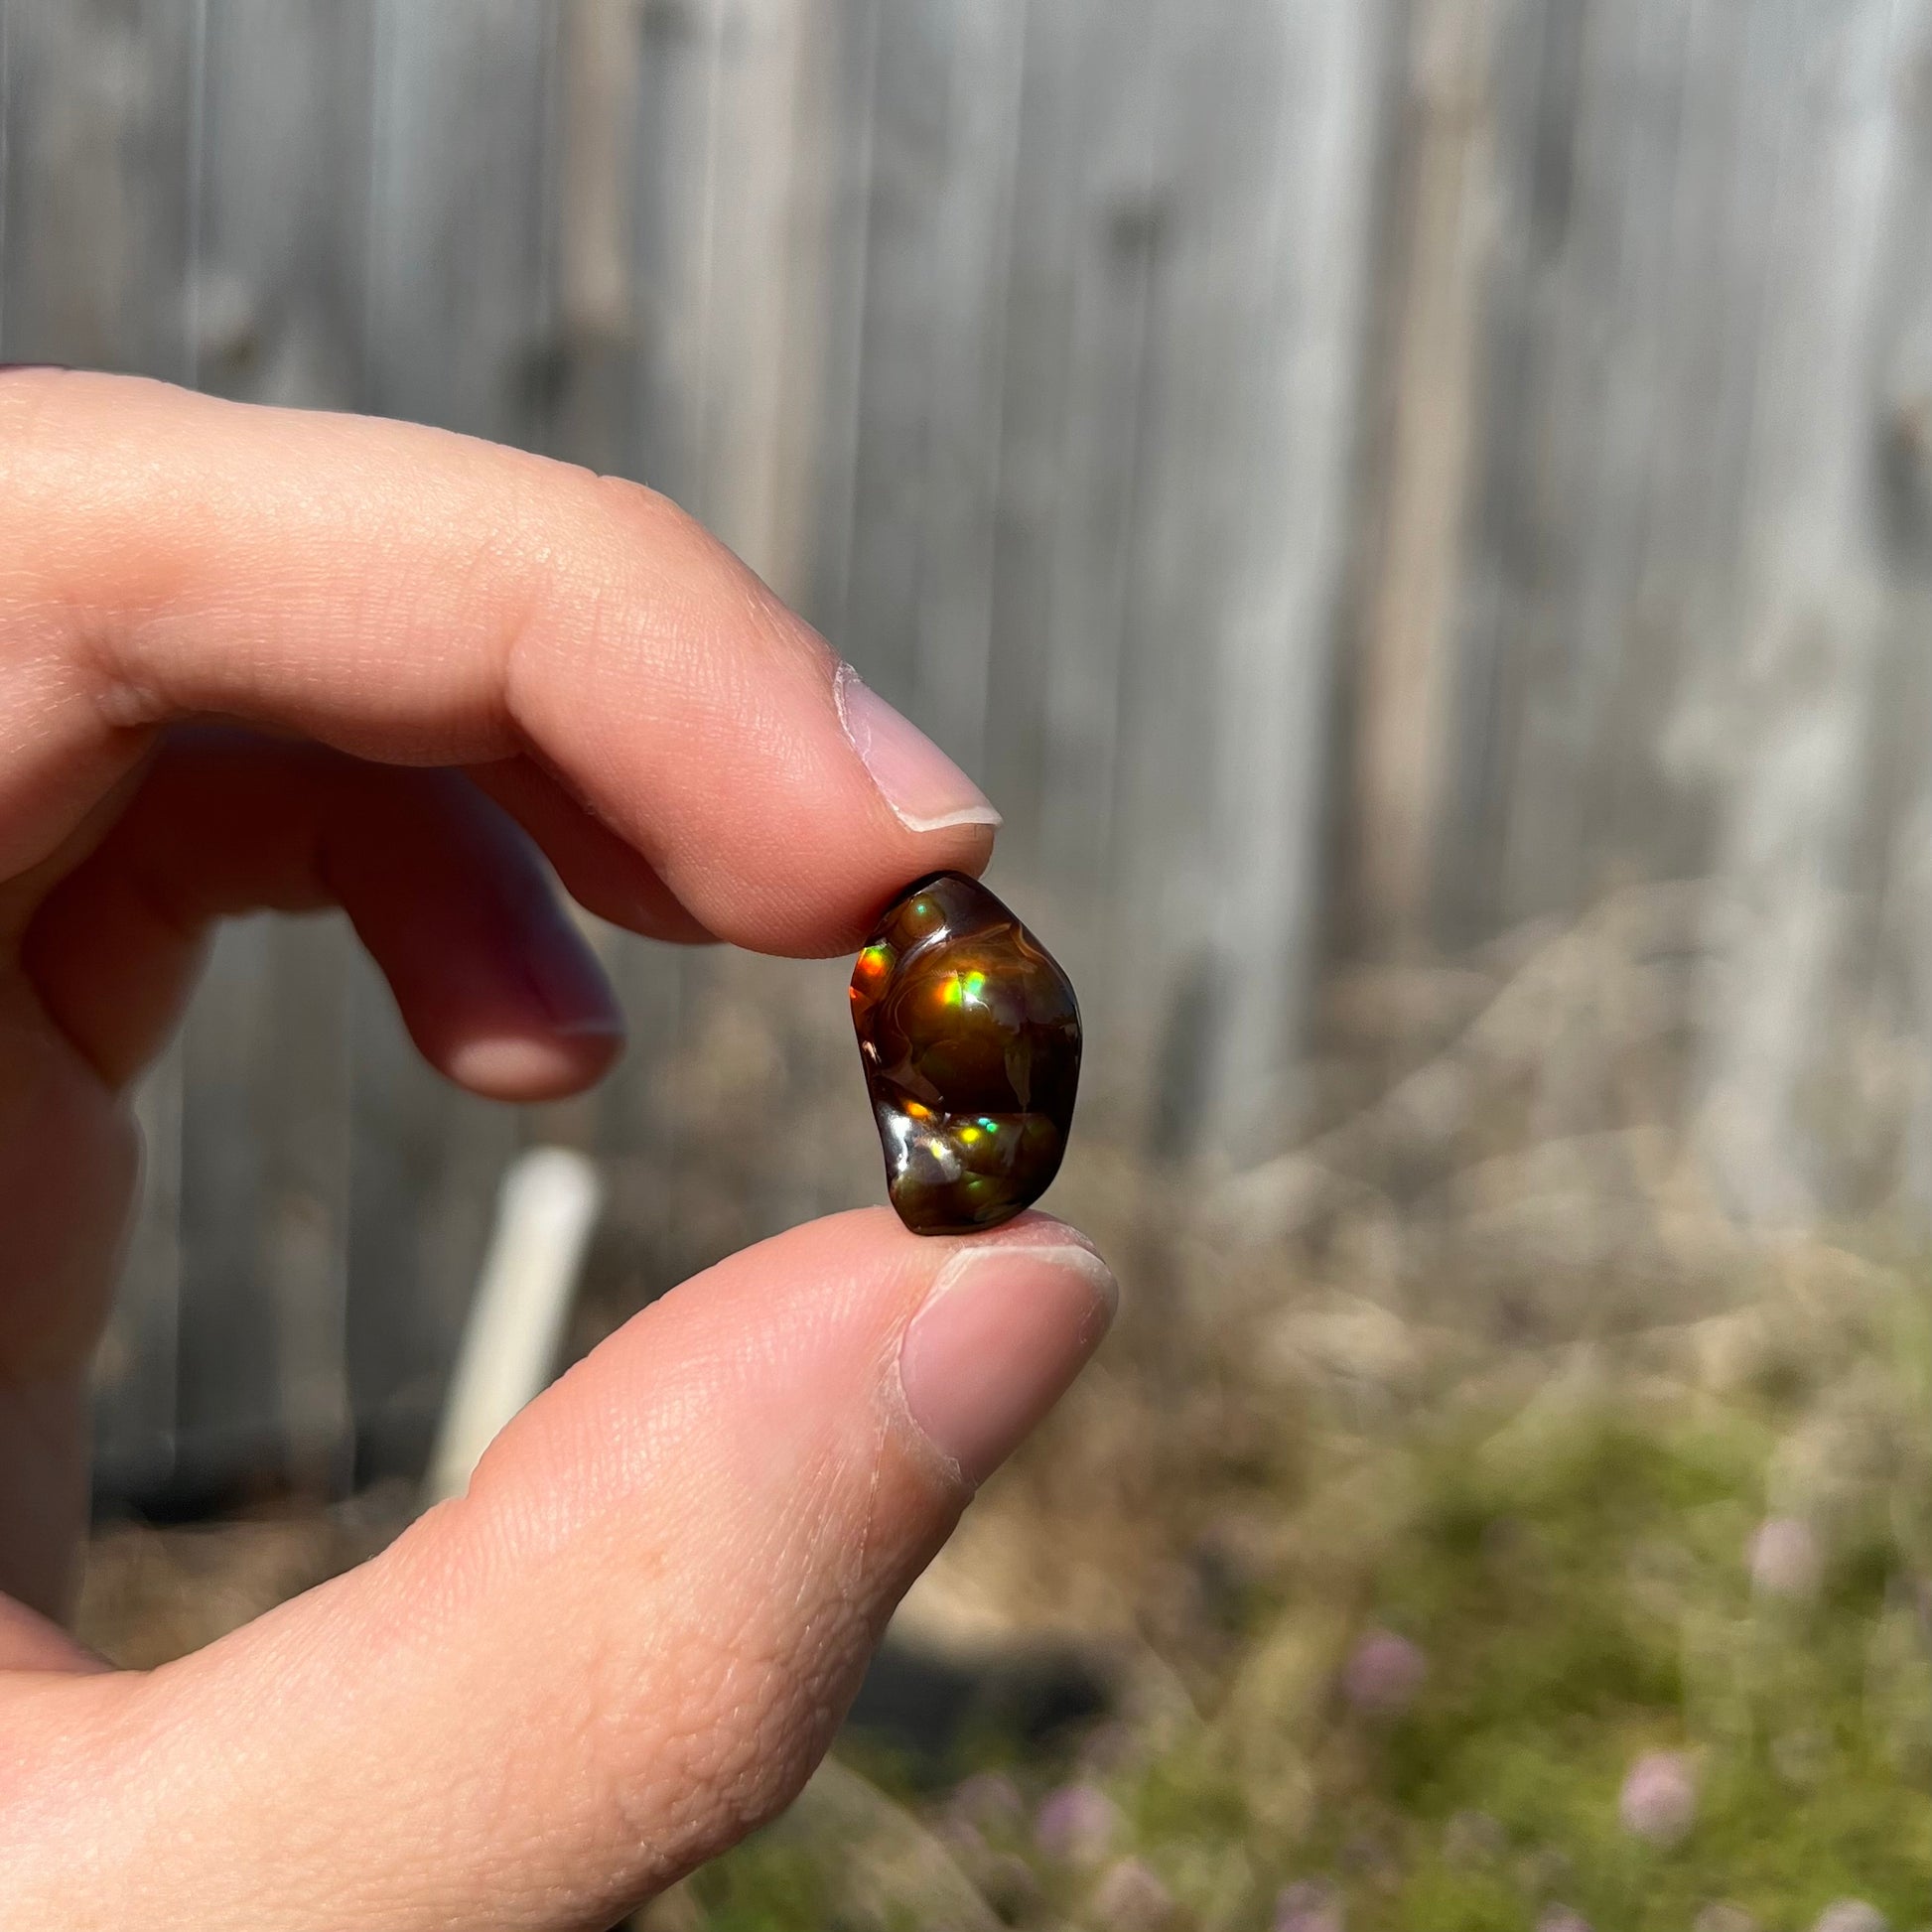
[632, 1638]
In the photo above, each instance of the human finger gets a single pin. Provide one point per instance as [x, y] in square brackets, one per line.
[413, 597]
[622, 1650]
[495, 985]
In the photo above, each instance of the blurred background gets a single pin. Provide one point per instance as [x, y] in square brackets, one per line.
[1420, 513]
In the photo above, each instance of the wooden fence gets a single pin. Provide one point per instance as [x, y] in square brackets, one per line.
[1348, 477]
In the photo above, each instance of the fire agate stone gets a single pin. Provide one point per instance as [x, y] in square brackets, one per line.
[970, 1037]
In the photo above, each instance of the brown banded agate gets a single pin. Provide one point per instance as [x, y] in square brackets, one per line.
[970, 1037]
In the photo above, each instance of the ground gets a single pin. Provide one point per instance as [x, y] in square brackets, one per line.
[1471, 1525]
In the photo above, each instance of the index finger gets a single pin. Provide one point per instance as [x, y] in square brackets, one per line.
[415, 597]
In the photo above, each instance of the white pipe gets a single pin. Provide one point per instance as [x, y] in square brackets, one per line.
[545, 1211]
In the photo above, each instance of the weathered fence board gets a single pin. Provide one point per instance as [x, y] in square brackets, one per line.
[279, 290]
[1307, 226]
[1813, 605]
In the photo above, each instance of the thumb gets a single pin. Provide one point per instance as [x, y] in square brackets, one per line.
[626, 1645]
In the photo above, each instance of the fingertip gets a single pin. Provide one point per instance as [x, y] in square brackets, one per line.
[525, 1067]
[411, 597]
[527, 1017]
[1003, 1331]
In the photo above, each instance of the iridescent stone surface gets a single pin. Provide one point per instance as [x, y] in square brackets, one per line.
[970, 1037]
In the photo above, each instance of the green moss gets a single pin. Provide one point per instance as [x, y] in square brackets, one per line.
[1187, 1796]
[765, 1886]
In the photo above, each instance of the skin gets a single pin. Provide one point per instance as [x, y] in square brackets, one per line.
[257, 658]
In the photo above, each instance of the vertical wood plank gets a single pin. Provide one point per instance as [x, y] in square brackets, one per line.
[95, 122]
[726, 240]
[461, 331]
[97, 112]
[230, 1421]
[594, 420]
[909, 157]
[304, 1094]
[1812, 609]
[1624, 301]
[1038, 350]
[674, 175]
[264, 1210]
[1645, 785]
[825, 229]
[675, 172]
[6, 152]
[1272, 669]
[1602, 389]
[1538, 51]
[460, 274]
[1123, 200]
[850, 76]
[422, 1165]
[136, 1370]
[1404, 676]
[738, 178]
[281, 298]
[1901, 819]
[275, 310]
[752, 125]
[966, 355]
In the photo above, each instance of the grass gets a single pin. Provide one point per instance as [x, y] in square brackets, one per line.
[1573, 1569]
[1482, 1366]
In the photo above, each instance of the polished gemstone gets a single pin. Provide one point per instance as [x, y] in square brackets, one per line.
[971, 1040]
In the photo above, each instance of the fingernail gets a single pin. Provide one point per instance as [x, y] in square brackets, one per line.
[571, 988]
[927, 790]
[1004, 1332]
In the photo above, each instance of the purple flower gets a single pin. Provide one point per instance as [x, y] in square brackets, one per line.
[1076, 1825]
[1308, 1906]
[1850, 1915]
[1785, 1559]
[1131, 1898]
[1659, 1800]
[1383, 1675]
